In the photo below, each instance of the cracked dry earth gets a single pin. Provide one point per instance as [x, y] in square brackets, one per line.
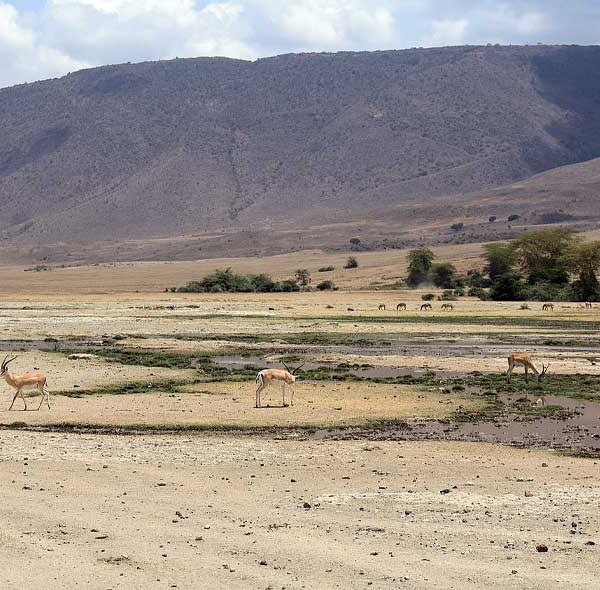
[219, 511]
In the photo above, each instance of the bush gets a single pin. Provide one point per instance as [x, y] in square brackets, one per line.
[513, 217]
[507, 287]
[447, 295]
[443, 275]
[351, 263]
[326, 268]
[457, 226]
[326, 286]
[492, 218]
[476, 292]
[226, 281]
[428, 297]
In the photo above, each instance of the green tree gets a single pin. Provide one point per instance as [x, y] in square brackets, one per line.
[584, 260]
[500, 257]
[543, 254]
[419, 265]
[443, 275]
[507, 287]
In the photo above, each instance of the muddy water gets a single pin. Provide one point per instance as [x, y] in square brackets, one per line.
[578, 432]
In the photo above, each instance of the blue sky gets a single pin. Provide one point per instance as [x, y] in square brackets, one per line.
[47, 38]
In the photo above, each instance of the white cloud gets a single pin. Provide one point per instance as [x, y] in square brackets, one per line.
[24, 56]
[447, 32]
[329, 24]
[63, 35]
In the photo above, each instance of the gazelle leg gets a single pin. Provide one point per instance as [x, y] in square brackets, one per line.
[511, 366]
[283, 393]
[13, 400]
[258, 391]
[45, 395]
[292, 396]
[526, 375]
[23, 398]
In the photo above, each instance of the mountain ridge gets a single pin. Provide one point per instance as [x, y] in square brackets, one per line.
[207, 145]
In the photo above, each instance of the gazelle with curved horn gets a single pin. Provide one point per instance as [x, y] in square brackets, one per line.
[24, 381]
[518, 358]
[267, 376]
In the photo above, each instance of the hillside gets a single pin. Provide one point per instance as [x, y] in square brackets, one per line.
[200, 146]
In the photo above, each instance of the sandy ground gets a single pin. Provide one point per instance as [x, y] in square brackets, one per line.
[232, 404]
[103, 512]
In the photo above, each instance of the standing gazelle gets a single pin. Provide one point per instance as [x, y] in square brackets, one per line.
[518, 358]
[267, 376]
[25, 381]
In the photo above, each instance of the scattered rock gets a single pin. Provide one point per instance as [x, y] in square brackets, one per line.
[541, 548]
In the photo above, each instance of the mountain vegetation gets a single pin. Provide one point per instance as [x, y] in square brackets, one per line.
[214, 148]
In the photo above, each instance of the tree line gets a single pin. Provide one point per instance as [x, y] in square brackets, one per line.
[550, 264]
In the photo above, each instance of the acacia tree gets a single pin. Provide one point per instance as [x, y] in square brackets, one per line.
[500, 257]
[543, 254]
[419, 265]
[584, 260]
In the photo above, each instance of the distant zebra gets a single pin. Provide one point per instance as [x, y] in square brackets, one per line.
[381, 307]
[426, 306]
[548, 307]
[401, 306]
[447, 306]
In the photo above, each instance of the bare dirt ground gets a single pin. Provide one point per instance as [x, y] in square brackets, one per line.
[93, 511]
[283, 509]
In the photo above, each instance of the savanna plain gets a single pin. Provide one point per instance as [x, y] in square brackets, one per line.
[405, 461]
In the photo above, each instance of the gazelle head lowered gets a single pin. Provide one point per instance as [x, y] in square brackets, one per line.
[267, 376]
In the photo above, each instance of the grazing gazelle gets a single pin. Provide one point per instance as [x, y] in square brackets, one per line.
[518, 358]
[267, 376]
[25, 381]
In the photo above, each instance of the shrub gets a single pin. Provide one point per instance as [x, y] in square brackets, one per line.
[457, 226]
[226, 281]
[492, 218]
[428, 297]
[443, 275]
[326, 286]
[513, 217]
[476, 292]
[326, 268]
[351, 263]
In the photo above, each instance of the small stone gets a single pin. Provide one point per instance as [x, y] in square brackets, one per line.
[541, 548]
[445, 491]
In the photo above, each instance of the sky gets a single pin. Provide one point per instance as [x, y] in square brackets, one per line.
[42, 39]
